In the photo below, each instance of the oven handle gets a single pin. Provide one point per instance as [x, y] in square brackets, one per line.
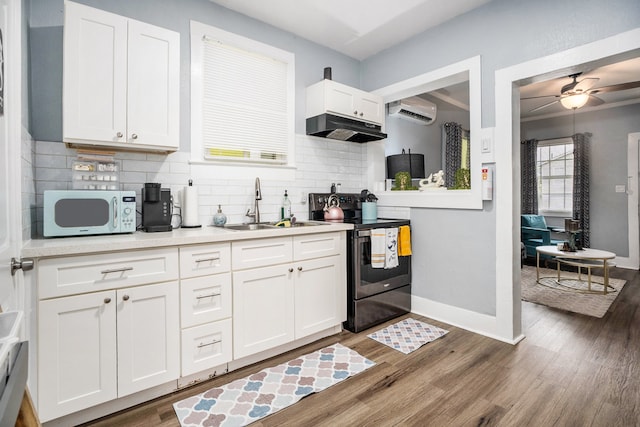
[364, 233]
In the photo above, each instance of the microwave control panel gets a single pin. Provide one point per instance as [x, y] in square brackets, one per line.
[128, 212]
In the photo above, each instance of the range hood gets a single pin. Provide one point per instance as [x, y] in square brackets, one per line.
[344, 129]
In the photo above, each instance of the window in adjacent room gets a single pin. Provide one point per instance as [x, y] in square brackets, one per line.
[555, 176]
[242, 99]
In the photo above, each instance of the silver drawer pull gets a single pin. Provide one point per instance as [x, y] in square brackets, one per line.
[116, 270]
[208, 344]
[208, 259]
[208, 296]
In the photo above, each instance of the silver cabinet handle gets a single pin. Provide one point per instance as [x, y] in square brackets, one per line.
[290, 270]
[134, 136]
[361, 113]
[208, 344]
[125, 297]
[208, 296]
[25, 264]
[299, 268]
[355, 112]
[115, 212]
[119, 134]
[208, 259]
[116, 270]
[107, 300]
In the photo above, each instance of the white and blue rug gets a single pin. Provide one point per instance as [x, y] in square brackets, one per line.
[248, 399]
[407, 335]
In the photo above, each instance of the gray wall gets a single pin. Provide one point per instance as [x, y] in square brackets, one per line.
[610, 129]
[455, 264]
[46, 54]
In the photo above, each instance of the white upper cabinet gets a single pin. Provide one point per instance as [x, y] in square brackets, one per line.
[121, 82]
[328, 96]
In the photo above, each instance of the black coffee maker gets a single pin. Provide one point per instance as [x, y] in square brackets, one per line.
[156, 208]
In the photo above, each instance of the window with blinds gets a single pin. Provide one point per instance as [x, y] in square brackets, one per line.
[244, 98]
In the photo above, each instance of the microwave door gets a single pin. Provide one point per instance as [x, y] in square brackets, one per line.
[84, 216]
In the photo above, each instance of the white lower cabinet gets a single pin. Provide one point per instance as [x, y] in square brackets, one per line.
[277, 304]
[77, 364]
[263, 315]
[318, 295]
[113, 324]
[103, 345]
[206, 322]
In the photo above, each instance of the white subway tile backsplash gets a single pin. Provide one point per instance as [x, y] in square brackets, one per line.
[319, 162]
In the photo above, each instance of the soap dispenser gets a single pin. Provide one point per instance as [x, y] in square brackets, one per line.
[219, 219]
[285, 209]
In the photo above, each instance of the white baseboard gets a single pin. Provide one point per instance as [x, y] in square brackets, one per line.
[478, 323]
[625, 262]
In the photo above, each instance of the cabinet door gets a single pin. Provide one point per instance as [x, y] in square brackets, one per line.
[77, 354]
[371, 108]
[341, 100]
[320, 292]
[154, 86]
[263, 313]
[95, 75]
[148, 336]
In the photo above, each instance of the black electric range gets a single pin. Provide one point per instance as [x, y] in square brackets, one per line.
[374, 295]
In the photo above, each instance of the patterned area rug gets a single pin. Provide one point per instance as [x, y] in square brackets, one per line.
[248, 399]
[407, 335]
[552, 295]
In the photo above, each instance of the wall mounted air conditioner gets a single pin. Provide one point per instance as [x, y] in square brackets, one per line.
[415, 109]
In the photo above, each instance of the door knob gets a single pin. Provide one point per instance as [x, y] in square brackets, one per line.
[134, 136]
[125, 297]
[24, 264]
[119, 134]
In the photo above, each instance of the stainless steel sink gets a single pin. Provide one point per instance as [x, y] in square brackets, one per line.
[307, 224]
[242, 227]
[270, 225]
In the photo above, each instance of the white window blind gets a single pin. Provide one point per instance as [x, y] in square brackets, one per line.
[246, 104]
[555, 176]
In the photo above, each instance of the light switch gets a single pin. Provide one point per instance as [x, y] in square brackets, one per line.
[620, 189]
[486, 145]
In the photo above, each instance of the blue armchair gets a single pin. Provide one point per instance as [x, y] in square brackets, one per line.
[534, 232]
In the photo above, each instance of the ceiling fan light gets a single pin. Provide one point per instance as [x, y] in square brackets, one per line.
[572, 102]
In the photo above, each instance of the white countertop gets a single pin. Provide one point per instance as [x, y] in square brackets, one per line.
[63, 246]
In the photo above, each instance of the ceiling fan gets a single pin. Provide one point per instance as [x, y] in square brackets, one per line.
[579, 93]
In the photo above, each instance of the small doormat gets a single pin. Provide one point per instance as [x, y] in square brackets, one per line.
[248, 399]
[408, 335]
[595, 305]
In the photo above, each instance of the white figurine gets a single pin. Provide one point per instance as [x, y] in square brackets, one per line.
[433, 181]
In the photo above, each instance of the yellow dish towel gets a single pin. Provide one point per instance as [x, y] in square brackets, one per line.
[404, 240]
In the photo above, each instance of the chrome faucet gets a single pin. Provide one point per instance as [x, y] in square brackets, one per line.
[256, 209]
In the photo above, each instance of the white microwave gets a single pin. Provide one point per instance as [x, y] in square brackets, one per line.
[88, 212]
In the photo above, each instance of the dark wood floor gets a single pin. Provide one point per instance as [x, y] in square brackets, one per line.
[570, 370]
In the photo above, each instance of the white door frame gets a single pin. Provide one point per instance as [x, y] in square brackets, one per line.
[10, 246]
[633, 261]
[507, 173]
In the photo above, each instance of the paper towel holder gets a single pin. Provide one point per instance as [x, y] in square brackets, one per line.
[189, 205]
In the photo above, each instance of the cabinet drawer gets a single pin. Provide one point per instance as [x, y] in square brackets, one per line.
[205, 299]
[205, 259]
[206, 346]
[89, 273]
[261, 253]
[317, 245]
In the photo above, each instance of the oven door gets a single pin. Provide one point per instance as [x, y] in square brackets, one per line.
[367, 280]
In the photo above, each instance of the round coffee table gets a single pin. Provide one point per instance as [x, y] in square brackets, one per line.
[586, 258]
